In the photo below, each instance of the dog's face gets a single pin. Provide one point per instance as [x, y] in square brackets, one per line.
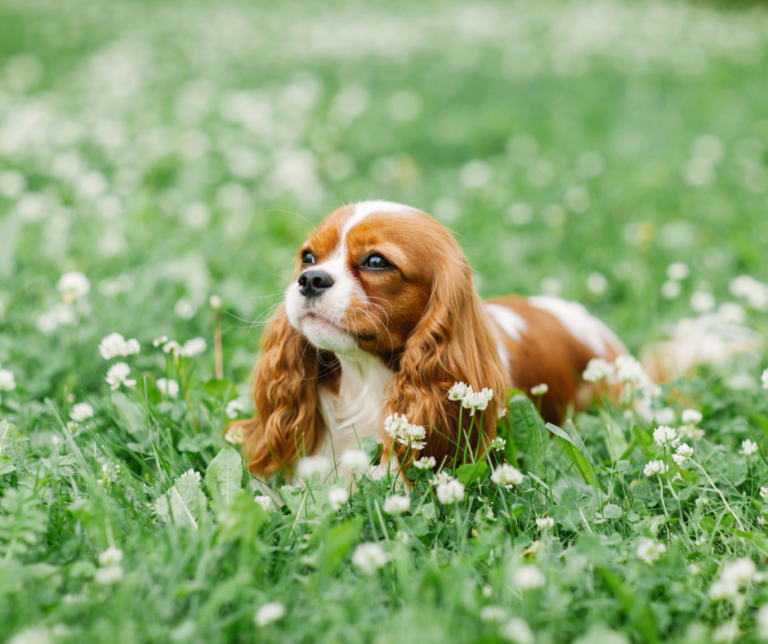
[365, 278]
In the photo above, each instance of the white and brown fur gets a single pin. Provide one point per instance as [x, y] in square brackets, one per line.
[379, 342]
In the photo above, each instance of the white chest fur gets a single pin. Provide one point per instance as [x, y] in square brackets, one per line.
[355, 412]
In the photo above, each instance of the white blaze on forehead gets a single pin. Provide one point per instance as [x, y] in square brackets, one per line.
[579, 323]
[365, 209]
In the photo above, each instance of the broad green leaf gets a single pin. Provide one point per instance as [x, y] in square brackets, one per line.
[185, 502]
[373, 448]
[471, 472]
[11, 447]
[219, 388]
[528, 431]
[638, 611]
[574, 454]
[337, 544]
[612, 511]
[196, 443]
[130, 413]
[224, 477]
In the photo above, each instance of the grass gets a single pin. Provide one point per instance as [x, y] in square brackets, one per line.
[174, 151]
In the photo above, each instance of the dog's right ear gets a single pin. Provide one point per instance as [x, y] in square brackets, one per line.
[288, 421]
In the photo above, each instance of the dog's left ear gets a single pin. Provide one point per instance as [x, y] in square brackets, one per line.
[452, 343]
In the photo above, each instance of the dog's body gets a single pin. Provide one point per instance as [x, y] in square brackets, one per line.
[383, 318]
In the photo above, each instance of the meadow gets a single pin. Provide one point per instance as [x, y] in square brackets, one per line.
[161, 162]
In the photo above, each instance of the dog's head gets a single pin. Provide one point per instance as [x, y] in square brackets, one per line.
[387, 280]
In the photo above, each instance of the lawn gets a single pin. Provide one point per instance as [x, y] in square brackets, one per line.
[155, 155]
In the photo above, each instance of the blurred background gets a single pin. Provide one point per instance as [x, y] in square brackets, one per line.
[610, 152]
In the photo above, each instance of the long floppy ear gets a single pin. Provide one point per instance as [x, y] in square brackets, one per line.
[288, 421]
[452, 343]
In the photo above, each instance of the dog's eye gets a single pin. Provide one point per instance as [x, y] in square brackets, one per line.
[376, 261]
[307, 257]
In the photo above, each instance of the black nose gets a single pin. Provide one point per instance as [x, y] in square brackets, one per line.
[313, 283]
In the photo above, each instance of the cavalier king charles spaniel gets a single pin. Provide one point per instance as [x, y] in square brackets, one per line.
[382, 318]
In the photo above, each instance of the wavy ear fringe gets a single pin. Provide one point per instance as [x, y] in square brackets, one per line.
[452, 343]
[288, 421]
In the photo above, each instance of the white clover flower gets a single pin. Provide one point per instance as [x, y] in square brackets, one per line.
[703, 302]
[762, 622]
[477, 400]
[61, 314]
[313, 466]
[109, 575]
[664, 435]
[502, 411]
[215, 302]
[497, 444]
[265, 502]
[726, 633]
[117, 376]
[665, 416]
[269, 613]
[193, 347]
[740, 572]
[159, 342]
[235, 435]
[115, 345]
[355, 460]
[528, 578]
[756, 293]
[397, 504]
[398, 428]
[191, 472]
[683, 454]
[73, 286]
[650, 551]
[337, 497]
[111, 556]
[678, 271]
[168, 387]
[723, 590]
[540, 390]
[425, 463]
[764, 492]
[598, 369]
[173, 348]
[414, 438]
[702, 500]
[505, 475]
[7, 380]
[81, 412]
[545, 523]
[458, 391]
[764, 379]
[396, 425]
[233, 408]
[748, 447]
[32, 636]
[470, 399]
[493, 614]
[450, 492]
[628, 369]
[369, 557]
[671, 289]
[691, 416]
[443, 477]
[654, 468]
[517, 631]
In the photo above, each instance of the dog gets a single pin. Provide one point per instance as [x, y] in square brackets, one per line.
[382, 318]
